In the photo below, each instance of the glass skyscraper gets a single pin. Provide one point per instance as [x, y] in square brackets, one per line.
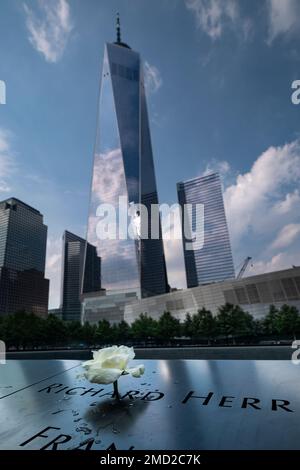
[75, 251]
[213, 261]
[23, 238]
[123, 168]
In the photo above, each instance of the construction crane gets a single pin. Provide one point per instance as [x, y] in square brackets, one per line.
[244, 267]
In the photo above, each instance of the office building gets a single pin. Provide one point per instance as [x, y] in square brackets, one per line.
[23, 239]
[75, 251]
[212, 260]
[123, 168]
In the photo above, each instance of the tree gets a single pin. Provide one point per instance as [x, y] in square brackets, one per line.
[55, 331]
[188, 326]
[233, 321]
[270, 322]
[288, 321]
[22, 329]
[104, 332]
[144, 327]
[168, 327]
[123, 332]
[74, 331]
[89, 333]
[258, 327]
[203, 324]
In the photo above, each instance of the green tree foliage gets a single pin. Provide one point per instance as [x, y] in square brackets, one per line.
[188, 326]
[123, 333]
[74, 331]
[207, 323]
[204, 324]
[56, 331]
[23, 330]
[258, 328]
[26, 330]
[270, 322]
[144, 327]
[104, 332]
[88, 334]
[288, 321]
[233, 321]
[168, 327]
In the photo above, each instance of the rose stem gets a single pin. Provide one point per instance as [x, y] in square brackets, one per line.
[116, 391]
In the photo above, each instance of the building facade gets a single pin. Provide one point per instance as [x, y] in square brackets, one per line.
[254, 294]
[124, 178]
[23, 239]
[106, 305]
[212, 261]
[75, 252]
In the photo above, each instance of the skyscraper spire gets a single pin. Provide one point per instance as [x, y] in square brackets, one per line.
[118, 31]
[118, 26]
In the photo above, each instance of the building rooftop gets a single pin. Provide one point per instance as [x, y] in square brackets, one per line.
[15, 201]
[197, 178]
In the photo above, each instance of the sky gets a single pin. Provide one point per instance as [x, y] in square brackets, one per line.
[218, 80]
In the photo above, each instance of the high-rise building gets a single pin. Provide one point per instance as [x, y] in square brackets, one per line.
[75, 251]
[212, 261]
[23, 239]
[124, 171]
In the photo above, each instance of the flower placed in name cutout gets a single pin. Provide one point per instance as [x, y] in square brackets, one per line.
[108, 364]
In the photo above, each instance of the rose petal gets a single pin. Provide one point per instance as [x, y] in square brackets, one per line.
[102, 376]
[103, 353]
[119, 361]
[136, 371]
[88, 364]
[129, 352]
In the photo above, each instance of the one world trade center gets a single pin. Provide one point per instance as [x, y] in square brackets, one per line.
[123, 171]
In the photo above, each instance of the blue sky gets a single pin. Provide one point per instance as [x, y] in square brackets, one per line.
[219, 77]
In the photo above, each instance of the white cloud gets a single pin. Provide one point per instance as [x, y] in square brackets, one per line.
[290, 203]
[283, 17]
[247, 28]
[216, 166]
[263, 210]
[252, 202]
[282, 260]
[152, 77]
[7, 160]
[213, 15]
[53, 269]
[286, 236]
[49, 29]
[4, 187]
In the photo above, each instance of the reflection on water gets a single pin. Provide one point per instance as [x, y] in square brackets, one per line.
[118, 416]
[164, 370]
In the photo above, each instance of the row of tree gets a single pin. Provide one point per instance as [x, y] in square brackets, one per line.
[26, 330]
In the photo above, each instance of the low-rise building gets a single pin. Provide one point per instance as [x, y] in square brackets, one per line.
[254, 294]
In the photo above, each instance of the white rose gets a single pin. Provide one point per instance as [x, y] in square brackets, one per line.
[108, 364]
